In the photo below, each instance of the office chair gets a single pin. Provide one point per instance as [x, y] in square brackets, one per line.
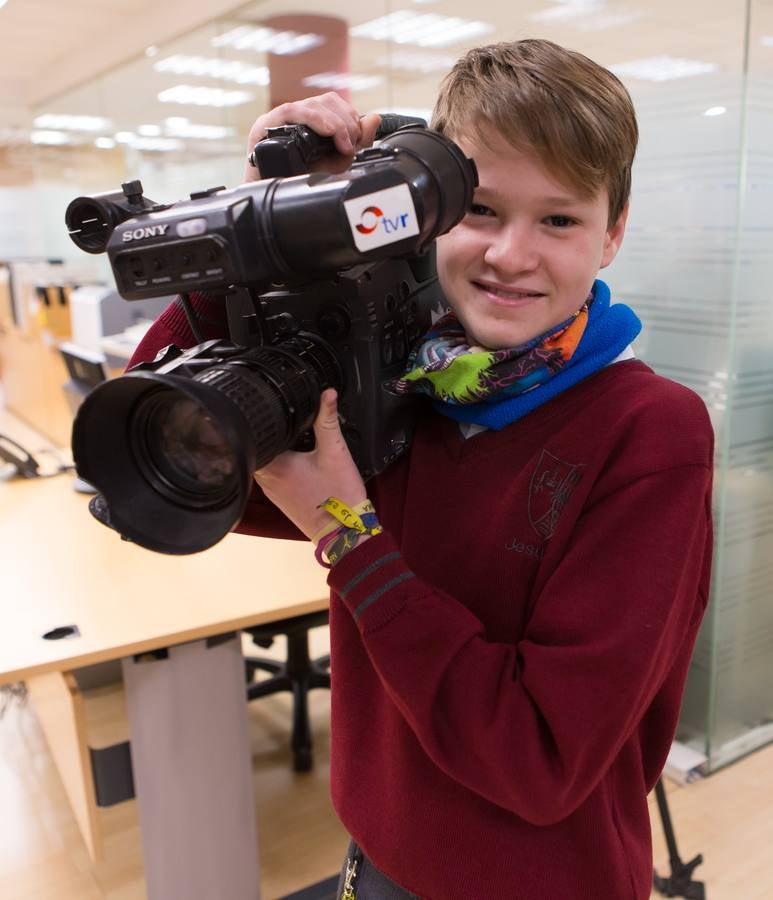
[298, 674]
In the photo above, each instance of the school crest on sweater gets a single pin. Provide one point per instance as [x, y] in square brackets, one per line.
[550, 488]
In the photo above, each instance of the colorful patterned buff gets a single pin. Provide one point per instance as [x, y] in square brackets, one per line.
[447, 368]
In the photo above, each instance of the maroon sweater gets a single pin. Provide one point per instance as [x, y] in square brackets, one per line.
[508, 658]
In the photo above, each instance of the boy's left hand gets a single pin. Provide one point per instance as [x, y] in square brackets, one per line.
[298, 482]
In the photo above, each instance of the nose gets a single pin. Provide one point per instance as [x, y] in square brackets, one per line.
[512, 249]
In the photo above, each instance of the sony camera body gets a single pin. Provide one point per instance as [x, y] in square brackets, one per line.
[328, 281]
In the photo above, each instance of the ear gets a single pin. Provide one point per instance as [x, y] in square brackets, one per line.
[614, 238]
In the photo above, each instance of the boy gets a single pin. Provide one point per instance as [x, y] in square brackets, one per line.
[512, 620]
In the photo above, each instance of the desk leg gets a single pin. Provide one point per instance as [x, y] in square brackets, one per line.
[193, 773]
[58, 704]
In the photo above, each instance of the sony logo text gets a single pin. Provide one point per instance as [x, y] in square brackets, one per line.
[138, 234]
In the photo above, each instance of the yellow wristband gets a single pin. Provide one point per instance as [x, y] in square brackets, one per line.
[349, 517]
[359, 510]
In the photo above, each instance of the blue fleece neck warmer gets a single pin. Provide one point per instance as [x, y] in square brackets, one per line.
[610, 329]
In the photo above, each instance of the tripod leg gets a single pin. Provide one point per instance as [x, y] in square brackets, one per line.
[668, 828]
[680, 883]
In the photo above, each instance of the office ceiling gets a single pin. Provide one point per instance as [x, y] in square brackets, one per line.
[88, 57]
[49, 45]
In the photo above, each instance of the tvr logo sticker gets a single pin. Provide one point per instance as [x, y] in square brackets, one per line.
[369, 220]
[382, 217]
[373, 217]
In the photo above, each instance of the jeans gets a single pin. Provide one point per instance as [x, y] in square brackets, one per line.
[369, 883]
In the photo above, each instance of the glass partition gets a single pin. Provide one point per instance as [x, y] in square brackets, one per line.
[734, 665]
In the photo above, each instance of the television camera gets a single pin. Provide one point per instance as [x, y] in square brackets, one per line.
[327, 280]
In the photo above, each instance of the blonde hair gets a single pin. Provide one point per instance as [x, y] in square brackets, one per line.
[542, 98]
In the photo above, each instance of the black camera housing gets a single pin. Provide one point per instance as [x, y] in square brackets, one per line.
[328, 281]
[370, 317]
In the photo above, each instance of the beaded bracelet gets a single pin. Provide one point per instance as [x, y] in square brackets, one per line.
[349, 524]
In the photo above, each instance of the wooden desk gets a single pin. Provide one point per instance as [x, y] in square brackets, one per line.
[169, 620]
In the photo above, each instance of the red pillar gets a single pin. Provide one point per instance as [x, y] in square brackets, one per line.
[288, 71]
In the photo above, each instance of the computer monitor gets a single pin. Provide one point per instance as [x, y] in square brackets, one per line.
[86, 370]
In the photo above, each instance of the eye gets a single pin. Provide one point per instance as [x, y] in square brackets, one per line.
[478, 209]
[560, 221]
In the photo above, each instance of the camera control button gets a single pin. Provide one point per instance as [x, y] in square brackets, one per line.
[200, 195]
[192, 227]
[371, 153]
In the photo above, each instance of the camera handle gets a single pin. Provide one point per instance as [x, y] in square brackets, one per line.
[292, 149]
[246, 316]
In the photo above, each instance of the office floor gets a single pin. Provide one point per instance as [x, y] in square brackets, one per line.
[42, 856]
[727, 817]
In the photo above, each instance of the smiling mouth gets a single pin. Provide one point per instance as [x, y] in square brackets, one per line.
[507, 296]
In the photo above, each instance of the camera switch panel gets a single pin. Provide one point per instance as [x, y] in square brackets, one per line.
[175, 265]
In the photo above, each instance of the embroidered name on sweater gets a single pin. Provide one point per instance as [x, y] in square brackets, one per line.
[550, 488]
[517, 546]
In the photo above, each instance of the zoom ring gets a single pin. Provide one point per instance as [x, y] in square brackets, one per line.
[276, 396]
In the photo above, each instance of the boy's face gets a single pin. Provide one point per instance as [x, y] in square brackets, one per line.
[526, 255]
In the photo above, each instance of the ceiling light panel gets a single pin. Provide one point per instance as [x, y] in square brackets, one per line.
[182, 128]
[586, 15]
[189, 95]
[53, 138]
[605, 21]
[568, 11]
[415, 61]
[662, 68]
[268, 40]
[421, 29]
[157, 144]
[342, 81]
[211, 67]
[146, 142]
[55, 122]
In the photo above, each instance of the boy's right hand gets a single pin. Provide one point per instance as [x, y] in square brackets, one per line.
[327, 114]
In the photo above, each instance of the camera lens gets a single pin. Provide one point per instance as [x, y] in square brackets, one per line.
[182, 449]
[174, 455]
